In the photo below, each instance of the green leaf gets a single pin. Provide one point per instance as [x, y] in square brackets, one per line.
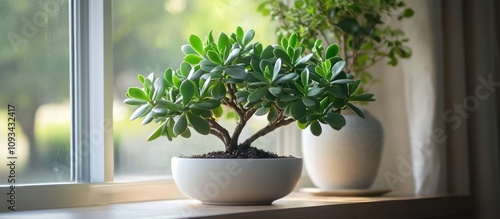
[159, 86]
[354, 86]
[349, 25]
[134, 102]
[308, 102]
[149, 117]
[208, 104]
[196, 44]
[302, 126]
[304, 78]
[262, 111]
[217, 112]
[342, 81]
[186, 134]
[277, 68]
[409, 12]
[193, 59]
[356, 9]
[304, 59]
[276, 91]
[181, 125]
[148, 87]
[272, 115]
[313, 117]
[293, 40]
[223, 42]
[242, 93]
[286, 78]
[284, 43]
[337, 92]
[267, 74]
[239, 33]
[248, 37]
[316, 128]
[187, 49]
[140, 78]
[267, 52]
[337, 69]
[159, 110]
[168, 76]
[332, 51]
[141, 111]
[335, 120]
[201, 112]
[257, 94]
[219, 91]
[314, 92]
[187, 90]
[185, 69]
[362, 97]
[157, 133]
[170, 105]
[356, 110]
[298, 110]
[288, 98]
[214, 57]
[137, 93]
[199, 124]
[232, 56]
[237, 72]
[279, 53]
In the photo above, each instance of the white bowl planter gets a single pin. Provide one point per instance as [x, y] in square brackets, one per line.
[345, 159]
[236, 181]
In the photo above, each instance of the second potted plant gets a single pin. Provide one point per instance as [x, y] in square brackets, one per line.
[351, 156]
[232, 73]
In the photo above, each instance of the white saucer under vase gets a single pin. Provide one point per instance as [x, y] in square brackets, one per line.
[344, 159]
[236, 181]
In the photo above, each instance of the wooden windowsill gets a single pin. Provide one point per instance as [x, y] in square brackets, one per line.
[296, 205]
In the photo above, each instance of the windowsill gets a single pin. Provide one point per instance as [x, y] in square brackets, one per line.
[296, 205]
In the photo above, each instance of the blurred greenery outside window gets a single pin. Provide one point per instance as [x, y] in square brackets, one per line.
[35, 78]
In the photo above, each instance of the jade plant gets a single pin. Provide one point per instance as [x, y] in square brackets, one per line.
[231, 73]
[356, 25]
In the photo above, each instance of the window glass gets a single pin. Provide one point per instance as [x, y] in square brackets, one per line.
[35, 111]
[147, 38]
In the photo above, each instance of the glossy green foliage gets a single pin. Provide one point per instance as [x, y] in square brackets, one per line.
[361, 27]
[282, 82]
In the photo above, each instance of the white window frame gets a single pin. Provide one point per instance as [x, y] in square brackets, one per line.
[92, 125]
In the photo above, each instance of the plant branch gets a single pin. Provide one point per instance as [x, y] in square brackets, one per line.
[219, 135]
[233, 102]
[219, 131]
[266, 130]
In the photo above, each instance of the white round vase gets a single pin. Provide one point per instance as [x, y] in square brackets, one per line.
[236, 181]
[344, 159]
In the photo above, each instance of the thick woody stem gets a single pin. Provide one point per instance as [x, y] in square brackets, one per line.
[219, 131]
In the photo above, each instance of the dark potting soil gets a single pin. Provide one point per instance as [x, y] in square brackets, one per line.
[251, 152]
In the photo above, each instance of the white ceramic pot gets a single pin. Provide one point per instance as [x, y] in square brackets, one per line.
[236, 181]
[345, 159]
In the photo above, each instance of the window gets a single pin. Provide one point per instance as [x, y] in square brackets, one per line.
[35, 85]
[57, 71]
[147, 38]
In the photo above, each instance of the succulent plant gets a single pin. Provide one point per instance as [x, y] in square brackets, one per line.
[232, 74]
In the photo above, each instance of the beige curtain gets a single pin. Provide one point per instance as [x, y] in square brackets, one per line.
[452, 101]
[423, 102]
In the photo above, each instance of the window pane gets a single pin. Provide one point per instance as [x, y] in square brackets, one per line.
[147, 38]
[34, 65]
